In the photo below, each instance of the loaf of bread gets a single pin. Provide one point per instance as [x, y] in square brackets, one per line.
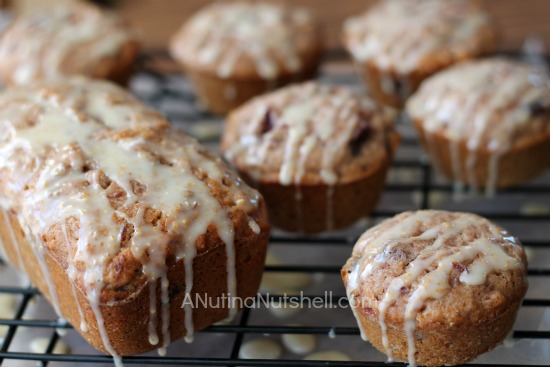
[116, 216]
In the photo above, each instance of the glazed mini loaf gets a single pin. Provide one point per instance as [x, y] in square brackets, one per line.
[398, 43]
[485, 123]
[436, 288]
[116, 216]
[68, 39]
[233, 51]
[319, 154]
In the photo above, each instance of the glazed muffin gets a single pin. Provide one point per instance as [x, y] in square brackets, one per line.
[435, 288]
[398, 43]
[485, 123]
[233, 51]
[319, 154]
[68, 39]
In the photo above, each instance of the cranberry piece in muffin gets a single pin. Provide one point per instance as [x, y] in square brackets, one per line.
[319, 154]
[398, 43]
[68, 39]
[434, 287]
[233, 51]
[485, 123]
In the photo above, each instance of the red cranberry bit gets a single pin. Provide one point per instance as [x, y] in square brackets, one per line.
[539, 108]
[361, 135]
[268, 121]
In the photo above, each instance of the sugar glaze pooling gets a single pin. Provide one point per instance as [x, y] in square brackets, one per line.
[44, 150]
[425, 281]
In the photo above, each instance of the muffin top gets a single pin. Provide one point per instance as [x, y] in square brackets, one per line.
[100, 178]
[405, 36]
[492, 104]
[245, 40]
[308, 133]
[61, 40]
[442, 270]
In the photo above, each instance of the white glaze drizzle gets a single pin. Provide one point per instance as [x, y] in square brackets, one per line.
[51, 37]
[101, 109]
[71, 273]
[3, 253]
[428, 274]
[13, 240]
[482, 104]
[270, 35]
[399, 34]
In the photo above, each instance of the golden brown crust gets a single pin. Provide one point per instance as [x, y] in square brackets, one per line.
[342, 204]
[222, 96]
[68, 39]
[127, 318]
[522, 163]
[435, 349]
[431, 256]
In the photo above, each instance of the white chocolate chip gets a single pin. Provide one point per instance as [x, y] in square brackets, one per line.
[276, 282]
[534, 209]
[299, 343]
[40, 344]
[282, 309]
[329, 355]
[260, 349]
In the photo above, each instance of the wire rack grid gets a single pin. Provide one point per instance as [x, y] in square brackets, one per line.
[411, 185]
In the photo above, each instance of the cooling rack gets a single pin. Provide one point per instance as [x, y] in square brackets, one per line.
[412, 184]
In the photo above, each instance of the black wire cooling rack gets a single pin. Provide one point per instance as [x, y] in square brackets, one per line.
[524, 210]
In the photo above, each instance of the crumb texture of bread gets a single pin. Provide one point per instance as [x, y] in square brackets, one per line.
[436, 287]
[479, 119]
[116, 211]
[313, 150]
[75, 38]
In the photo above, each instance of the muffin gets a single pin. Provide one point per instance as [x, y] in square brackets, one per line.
[233, 51]
[69, 39]
[398, 43]
[485, 123]
[435, 288]
[319, 154]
